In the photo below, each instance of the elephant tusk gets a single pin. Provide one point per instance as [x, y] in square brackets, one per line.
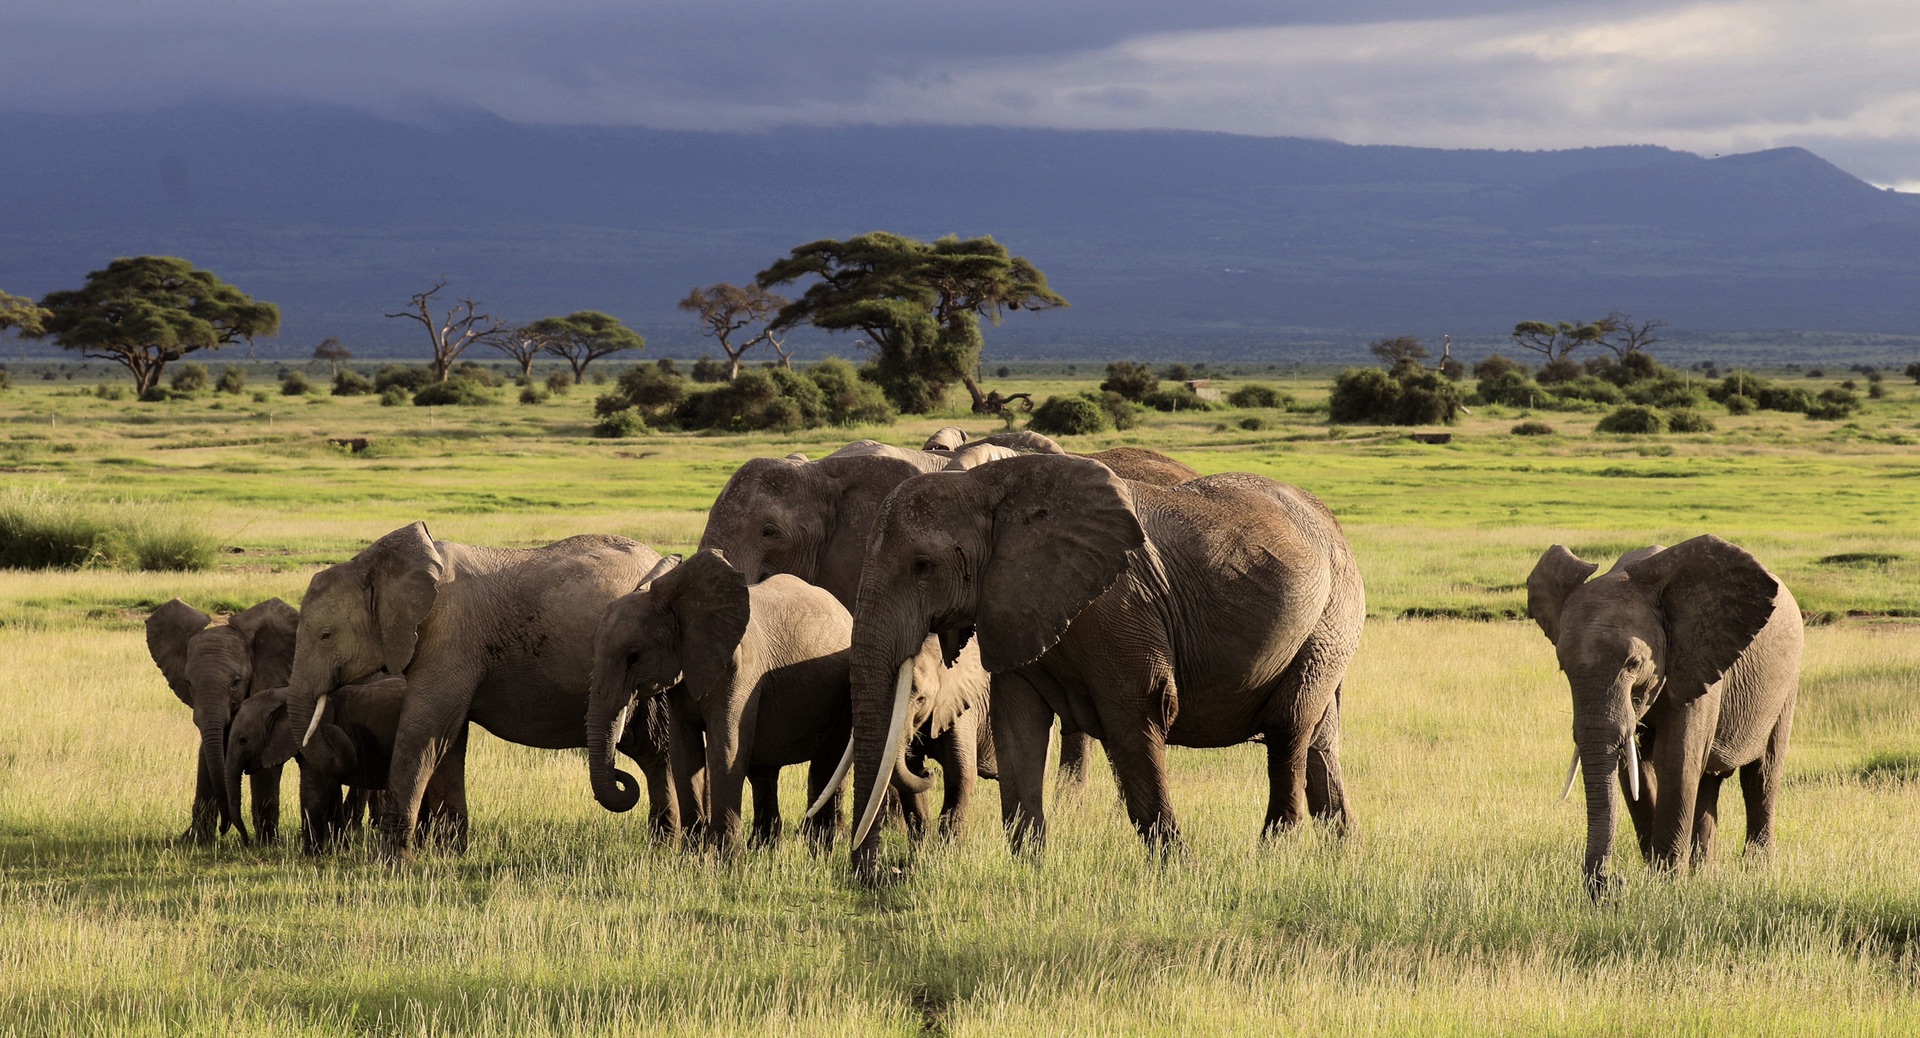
[833, 784]
[1633, 767]
[319, 707]
[1572, 770]
[902, 686]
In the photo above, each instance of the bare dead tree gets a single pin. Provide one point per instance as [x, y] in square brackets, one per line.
[1626, 336]
[780, 346]
[334, 353]
[462, 326]
[727, 310]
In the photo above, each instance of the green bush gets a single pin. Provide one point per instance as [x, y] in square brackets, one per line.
[295, 384]
[1737, 404]
[408, 378]
[110, 391]
[1070, 416]
[6, 379]
[706, 369]
[1124, 413]
[1130, 379]
[1634, 419]
[1833, 404]
[1253, 423]
[1688, 420]
[1508, 384]
[559, 383]
[653, 391]
[394, 396]
[1592, 388]
[1668, 392]
[232, 380]
[1532, 429]
[189, 378]
[41, 531]
[351, 383]
[532, 395]
[758, 399]
[1417, 397]
[1257, 395]
[1175, 399]
[456, 392]
[850, 399]
[620, 424]
[473, 372]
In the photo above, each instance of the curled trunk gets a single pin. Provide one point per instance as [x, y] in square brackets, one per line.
[607, 714]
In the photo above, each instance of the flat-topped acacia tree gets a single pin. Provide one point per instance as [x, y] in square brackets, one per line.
[919, 303]
[143, 312]
[584, 336]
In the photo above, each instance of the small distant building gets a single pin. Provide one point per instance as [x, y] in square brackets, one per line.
[1203, 388]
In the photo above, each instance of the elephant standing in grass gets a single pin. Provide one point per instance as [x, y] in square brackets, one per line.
[1684, 664]
[213, 668]
[1202, 614]
[352, 748]
[755, 678]
[502, 638]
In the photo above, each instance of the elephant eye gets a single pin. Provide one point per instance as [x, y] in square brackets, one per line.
[326, 636]
[632, 658]
[922, 566]
[769, 530]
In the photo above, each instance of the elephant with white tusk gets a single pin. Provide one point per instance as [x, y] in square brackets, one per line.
[1684, 664]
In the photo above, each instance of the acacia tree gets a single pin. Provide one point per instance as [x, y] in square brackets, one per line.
[585, 336]
[334, 352]
[144, 312]
[918, 303]
[21, 314]
[1401, 351]
[462, 326]
[728, 310]
[523, 344]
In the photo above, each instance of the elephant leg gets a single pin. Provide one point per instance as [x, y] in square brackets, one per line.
[1287, 749]
[265, 787]
[444, 805]
[1706, 819]
[1677, 766]
[820, 829]
[204, 820]
[1640, 811]
[687, 762]
[958, 754]
[766, 806]
[319, 809]
[1022, 743]
[1076, 754]
[645, 743]
[915, 808]
[728, 748]
[1303, 732]
[431, 721]
[1760, 785]
[1326, 787]
[354, 809]
[1137, 747]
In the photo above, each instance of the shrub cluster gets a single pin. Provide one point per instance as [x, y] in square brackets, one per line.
[1744, 391]
[1077, 415]
[1410, 395]
[351, 383]
[457, 392]
[1645, 419]
[41, 531]
[831, 392]
[1257, 395]
[1132, 380]
[189, 378]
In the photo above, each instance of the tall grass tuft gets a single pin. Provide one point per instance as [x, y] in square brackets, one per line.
[40, 529]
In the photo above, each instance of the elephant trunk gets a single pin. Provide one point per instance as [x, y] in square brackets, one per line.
[211, 716]
[609, 706]
[1599, 763]
[307, 688]
[881, 677]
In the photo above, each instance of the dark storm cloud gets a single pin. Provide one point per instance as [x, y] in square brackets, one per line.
[1697, 74]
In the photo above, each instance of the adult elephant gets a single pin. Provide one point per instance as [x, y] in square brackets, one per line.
[213, 668]
[1684, 664]
[1202, 614]
[499, 637]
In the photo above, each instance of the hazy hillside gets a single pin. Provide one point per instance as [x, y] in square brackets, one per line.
[1207, 244]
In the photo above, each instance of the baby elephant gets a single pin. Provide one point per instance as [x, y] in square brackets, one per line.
[1684, 664]
[351, 747]
[755, 679]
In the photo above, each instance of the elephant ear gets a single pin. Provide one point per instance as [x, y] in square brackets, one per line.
[404, 575]
[169, 629]
[710, 602]
[855, 488]
[1715, 598]
[1063, 528]
[269, 628]
[945, 439]
[660, 569]
[282, 741]
[1554, 577]
[338, 756]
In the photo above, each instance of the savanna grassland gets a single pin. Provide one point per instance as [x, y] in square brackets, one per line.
[1456, 909]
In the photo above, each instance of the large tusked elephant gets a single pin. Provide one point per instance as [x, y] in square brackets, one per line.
[755, 679]
[499, 637]
[1684, 664]
[1203, 614]
[213, 668]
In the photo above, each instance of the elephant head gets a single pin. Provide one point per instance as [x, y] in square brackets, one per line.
[262, 737]
[360, 617]
[213, 668]
[809, 519]
[681, 626]
[1013, 550]
[1661, 622]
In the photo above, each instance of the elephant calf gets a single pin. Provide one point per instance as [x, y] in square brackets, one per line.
[1684, 664]
[352, 747]
[755, 679]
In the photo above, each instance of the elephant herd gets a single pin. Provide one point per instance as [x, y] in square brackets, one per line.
[882, 608]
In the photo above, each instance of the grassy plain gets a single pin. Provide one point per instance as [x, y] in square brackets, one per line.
[1456, 909]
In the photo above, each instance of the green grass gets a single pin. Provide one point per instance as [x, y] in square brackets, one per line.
[1456, 909]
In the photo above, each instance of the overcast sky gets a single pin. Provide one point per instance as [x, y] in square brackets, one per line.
[1836, 76]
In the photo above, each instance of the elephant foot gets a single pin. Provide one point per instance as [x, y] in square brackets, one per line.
[1603, 887]
[195, 838]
